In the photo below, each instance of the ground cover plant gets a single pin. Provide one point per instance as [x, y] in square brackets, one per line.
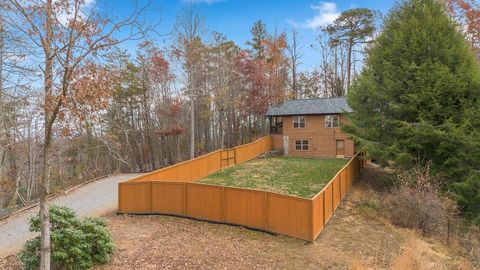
[298, 176]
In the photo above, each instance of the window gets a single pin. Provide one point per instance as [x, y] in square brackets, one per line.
[301, 145]
[299, 121]
[332, 121]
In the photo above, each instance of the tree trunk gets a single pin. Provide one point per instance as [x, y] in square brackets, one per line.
[45, 179]
[44, 215]
[349, 65]
[4, 151]
[1, 60]
[294, 82]
[192, 128]
[222, 129]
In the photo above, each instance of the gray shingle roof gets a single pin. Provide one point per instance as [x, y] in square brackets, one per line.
[311, 106]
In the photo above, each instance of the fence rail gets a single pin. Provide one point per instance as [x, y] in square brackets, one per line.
[268, 211]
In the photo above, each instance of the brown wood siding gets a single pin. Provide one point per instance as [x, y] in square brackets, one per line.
[322, 140]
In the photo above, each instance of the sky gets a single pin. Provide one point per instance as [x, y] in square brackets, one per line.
[234, 18]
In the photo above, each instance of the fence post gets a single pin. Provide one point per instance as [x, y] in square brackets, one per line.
[235, 156]
[348, 180]
[266, 210]
[151, 197]
[221, 158]
[185, 199]
[119, 198]
[324, 215]
[223, 206]
[333, 198]
[312, 221]
[340, 184]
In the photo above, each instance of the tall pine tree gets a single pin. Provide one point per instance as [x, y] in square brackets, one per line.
[417, 99]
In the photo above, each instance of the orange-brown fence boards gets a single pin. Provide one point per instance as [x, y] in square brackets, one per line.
[328, 193]
[343, 182]
[245, 153]
[168, 198]
[265, 144]
[318, 217]
[204, 201]
[356, 167]
[224, 159]
[228, 157]
[337, 195]
[231, 157]
[249, 151]
[289, 215]
[187, 171]
[350, 175]
[245, 207]
[197, 168]
[134, 197]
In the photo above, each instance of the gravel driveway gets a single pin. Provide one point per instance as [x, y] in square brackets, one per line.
[92, 199]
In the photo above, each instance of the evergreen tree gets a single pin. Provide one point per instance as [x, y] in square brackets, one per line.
[259, 35]
[351, 28]
[417, 99]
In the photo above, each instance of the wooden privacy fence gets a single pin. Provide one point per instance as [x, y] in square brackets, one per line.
[268, 211]
[199, 167]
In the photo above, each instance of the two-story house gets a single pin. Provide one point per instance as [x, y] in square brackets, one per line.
[311, 127]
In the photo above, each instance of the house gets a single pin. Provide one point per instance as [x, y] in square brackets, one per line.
[311, 127]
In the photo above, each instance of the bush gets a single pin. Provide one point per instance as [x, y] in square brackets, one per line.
[419, 209]
[416, 203]
[77, 243]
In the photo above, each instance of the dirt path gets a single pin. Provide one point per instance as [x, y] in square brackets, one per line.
[93, 199]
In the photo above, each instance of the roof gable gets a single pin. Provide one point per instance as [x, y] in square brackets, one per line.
[310, 106]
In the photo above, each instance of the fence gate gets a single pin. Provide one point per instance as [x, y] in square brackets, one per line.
[228, 157]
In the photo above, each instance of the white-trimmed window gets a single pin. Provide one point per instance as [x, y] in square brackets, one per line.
[301, 145]
[332, 121]
[299, 121]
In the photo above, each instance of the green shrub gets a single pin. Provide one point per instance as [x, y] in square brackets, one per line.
[468, 195]
[77, 243]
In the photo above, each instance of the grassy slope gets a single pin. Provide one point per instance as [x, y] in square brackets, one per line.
[303, 177]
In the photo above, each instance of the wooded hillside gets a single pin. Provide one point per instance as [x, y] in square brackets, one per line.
[134, 112]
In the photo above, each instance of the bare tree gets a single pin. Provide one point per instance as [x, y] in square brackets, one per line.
[1, 56]
[190, 27]
[333, 66]
[67, 37]
[295, 56]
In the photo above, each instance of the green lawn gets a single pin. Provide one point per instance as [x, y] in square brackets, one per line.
[303, 177]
